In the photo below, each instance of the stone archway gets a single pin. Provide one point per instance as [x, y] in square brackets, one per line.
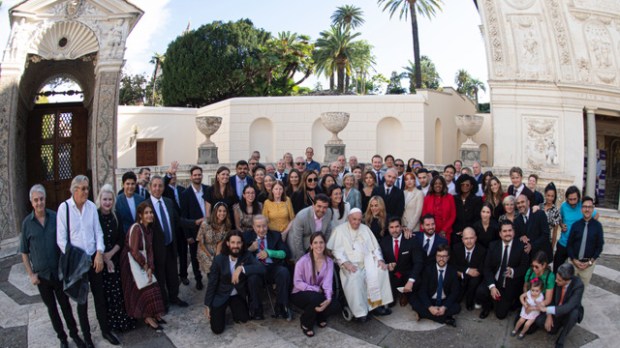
[83, 39]
[389, 137]
[262, 138]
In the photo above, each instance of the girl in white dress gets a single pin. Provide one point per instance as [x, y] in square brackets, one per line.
[530, 301]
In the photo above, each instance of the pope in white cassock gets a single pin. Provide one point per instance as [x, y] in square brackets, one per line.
[363, 272]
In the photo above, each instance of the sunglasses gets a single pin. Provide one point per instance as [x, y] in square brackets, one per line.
[300, 163]
[399, 165]
[312, 180]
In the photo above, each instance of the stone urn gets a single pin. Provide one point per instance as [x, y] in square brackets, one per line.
[208, 125]
[335, 122]
[469, 125]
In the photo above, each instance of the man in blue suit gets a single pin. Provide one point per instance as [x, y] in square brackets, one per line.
[127, 201]
[428, 240]
[241, 179]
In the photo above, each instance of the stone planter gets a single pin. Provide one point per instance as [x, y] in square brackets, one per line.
[208, 125]
[469, 125]
[335, 122]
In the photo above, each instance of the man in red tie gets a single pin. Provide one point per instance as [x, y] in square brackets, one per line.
[566, 309]
[404, 259]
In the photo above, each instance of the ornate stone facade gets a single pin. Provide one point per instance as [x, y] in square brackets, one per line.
[548, 61]
[54, 32]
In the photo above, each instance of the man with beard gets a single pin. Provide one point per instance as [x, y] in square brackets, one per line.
[231, 274]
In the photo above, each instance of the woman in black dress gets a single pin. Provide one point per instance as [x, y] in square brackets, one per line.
[308, 189]
[221, 191]
[487, 229]
[113, 238]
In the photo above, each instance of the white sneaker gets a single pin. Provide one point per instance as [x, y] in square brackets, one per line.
[477, 306]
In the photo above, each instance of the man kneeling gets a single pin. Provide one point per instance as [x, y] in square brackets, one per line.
[363, 272]
[228, 282]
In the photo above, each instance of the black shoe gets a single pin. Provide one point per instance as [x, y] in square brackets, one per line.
[110, 337]
[484, 313]
[184, 281]
[362, 319]
[177, 301]
[89, 342]
[382, 311]
[199, 285]
[78, 341]
[451, 321]
[258, 315]
[64, 343]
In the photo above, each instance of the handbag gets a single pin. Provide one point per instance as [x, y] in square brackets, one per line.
[139, 274]
[73, 268]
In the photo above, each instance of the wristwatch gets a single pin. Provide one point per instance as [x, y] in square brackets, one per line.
[590, 262]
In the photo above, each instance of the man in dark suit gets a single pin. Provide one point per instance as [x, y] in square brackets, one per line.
[566, 309]
[229, 281]
[428, 240]
[532, 228]
[404, 259]
[504, 268]
[468, 259]
[437, 298]
[399, 165]
[192, 215]
[144, 177]
[268, 247]
[164, 242]
[518, 187]
[377, 168]
[392, 196]
[241, 179]
[280, 173]
[174, 192]
[127, 201]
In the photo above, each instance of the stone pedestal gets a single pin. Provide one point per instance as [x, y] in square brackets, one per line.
[469, 154]
[332, 151]
[207, 155]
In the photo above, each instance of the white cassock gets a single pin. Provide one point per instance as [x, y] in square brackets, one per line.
[369, 287]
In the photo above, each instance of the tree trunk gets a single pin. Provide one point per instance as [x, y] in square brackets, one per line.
[416, 45]
[331, 82]
[341, 74]
[347, 81]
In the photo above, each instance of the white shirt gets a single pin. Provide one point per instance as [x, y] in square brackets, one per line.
[452, 188]
[200, 199]
[231, 264]
[425, 189]
[86, 232]
[131, 202]
[518, 190]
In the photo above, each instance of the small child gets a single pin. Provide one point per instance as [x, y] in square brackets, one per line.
[531, 298]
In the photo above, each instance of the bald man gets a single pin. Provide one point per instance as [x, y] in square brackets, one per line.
[468, 259]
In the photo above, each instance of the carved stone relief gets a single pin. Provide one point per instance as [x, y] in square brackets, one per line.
[495, 38]
[532, 61]
[601, 49]
[560, 32]
[105, 131]
[541, 142]
[521, 4]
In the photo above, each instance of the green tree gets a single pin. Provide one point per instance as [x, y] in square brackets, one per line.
[335, 51]
[376, 84]
[426, 8]
[394, 86]
[430, 76]
[214, 62]
[348, 16]
[363, 61]
[469, 86]
[132, 89]
[154, 96]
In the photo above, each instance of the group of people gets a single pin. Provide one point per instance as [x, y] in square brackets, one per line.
[324, 238]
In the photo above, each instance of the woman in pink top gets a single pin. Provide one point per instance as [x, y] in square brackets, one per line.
[312, 286]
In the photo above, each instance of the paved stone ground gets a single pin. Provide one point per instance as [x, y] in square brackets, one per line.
[24, 322]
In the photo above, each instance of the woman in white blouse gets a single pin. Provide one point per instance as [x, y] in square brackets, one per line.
[414, 200]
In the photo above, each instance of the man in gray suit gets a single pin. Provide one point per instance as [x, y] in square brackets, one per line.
[315, 218]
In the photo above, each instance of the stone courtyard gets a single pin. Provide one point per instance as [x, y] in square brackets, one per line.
[24, 321]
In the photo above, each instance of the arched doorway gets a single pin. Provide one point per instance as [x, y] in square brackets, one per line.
[261, 138]
[389, 137]
[320, 136]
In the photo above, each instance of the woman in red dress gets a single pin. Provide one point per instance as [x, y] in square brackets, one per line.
[440, 204]
[147, 302]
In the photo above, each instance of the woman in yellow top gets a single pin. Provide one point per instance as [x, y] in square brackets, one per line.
[279, 210]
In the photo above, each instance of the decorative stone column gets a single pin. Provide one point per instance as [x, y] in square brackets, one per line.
[207, 151]
[591, 141]
[335, 122]
[469, 125]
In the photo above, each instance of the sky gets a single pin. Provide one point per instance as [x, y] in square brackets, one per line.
[452, 39]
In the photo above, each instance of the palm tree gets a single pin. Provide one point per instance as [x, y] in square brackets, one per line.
[469, 86]
[158, 60]
[362, 62]
[426, 8]
[348, 16]
[335, 51]
[430, 76]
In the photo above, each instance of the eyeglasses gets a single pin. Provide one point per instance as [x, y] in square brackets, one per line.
[399, 165]
[312, 180]
[587, 207]
[300, 163]
[442, 256]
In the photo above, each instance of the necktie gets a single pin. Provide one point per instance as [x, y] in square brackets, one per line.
[584, 236]
[378, 176]
[468, 257]
[562, 295]
[164, 224]
[426, 245]
[440, 287]
[398, 182]
[502, 268]
[387, 193]
[261, 247]
[396, 252]
[176, 196]
[525, 219]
